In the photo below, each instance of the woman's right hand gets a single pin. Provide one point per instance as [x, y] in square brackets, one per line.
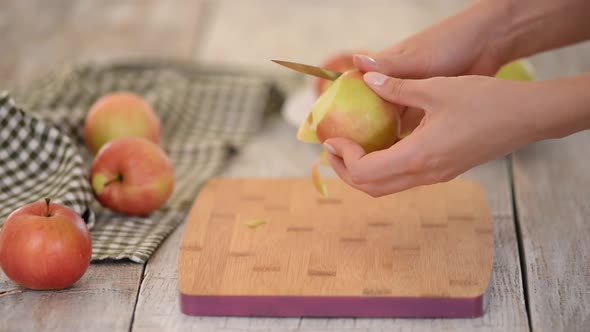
[469, 43]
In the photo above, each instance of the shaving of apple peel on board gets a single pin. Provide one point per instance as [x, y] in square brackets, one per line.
[255, 223]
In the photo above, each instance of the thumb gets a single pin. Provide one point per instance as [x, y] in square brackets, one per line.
[344, 148]
[404, 65]
[404, 92]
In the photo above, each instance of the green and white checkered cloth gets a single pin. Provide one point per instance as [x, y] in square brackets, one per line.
[206, 116]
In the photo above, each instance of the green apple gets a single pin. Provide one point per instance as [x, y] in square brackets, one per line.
[519, 70]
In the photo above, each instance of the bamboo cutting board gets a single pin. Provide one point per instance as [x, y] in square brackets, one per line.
[425, 252]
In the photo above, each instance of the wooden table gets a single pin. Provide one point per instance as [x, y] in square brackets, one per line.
[540, 195]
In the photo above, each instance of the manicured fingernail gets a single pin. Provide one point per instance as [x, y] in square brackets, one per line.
[366, 60]
[376, 79]
[329, 148]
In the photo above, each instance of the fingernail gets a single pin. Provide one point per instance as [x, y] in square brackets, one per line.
[329, 148]
[366, 60]
[376, 79]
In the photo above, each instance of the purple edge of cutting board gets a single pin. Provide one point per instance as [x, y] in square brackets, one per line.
[318, 306]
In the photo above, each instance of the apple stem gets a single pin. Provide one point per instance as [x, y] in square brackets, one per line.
[47, 201]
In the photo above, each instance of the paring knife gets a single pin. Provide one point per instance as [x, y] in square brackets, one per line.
[310, 70]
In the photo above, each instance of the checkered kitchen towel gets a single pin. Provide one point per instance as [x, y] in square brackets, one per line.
[206, 115]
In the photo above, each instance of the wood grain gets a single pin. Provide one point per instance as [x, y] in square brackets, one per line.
[102, 300]
[37, 36]
[427, 242]
[552, 180]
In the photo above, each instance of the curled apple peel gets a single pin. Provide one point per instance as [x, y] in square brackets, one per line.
[320, 185]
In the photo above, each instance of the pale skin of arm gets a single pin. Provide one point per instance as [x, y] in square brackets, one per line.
[468, 120]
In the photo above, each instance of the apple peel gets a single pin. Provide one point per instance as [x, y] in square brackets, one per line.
[404, 135]
[319, 184]
[324, 158]
[255, 223]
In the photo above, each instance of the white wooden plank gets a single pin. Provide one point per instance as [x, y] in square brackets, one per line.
[102, 300]
[251, 32]
[552, 181]
[157, 307]
[20, 31]
[567, 61]
[38, 36]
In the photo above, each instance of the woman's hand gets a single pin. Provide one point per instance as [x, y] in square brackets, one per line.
[461, 122]
[468, 120]
[469, 43]
[483, 37]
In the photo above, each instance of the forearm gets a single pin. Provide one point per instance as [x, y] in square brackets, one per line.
[562, 106]
[533, 26]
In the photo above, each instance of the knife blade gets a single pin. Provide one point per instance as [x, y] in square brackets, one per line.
[310, 70]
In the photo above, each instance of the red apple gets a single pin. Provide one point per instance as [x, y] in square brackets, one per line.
[44, 245]
[132, 176]
[120, 114]
[340, 62]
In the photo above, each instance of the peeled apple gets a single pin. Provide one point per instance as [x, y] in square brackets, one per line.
[350, 109]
